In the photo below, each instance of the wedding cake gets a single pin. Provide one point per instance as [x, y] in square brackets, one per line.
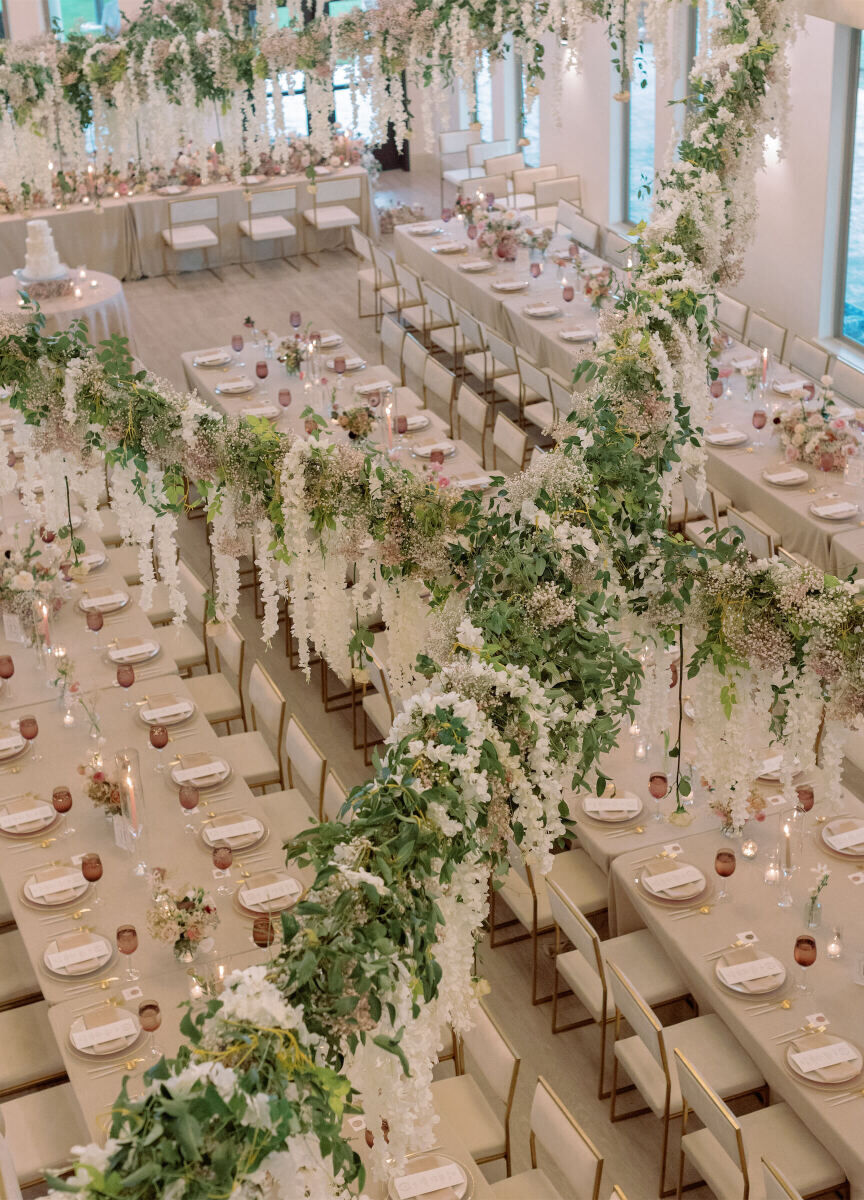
[42, 261]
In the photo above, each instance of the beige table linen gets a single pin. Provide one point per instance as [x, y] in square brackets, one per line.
[847, 553]
[103, 238]
[753, 906]
[103, 307]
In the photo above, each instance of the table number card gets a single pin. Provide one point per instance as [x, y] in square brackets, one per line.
[422, 1182]
[12, 630]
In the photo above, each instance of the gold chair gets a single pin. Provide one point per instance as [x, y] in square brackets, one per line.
[266, 221]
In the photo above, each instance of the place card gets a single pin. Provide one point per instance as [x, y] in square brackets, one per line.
[542, 310]
[84, 1039]
[330, 339]
[213, 833]
[217, 355]
[239, 383]
[814, 1020]
[84, 951]
[100, 599]
[127, 648]
[91, 560]
[375, 385]
[672, 879]
[850, 837]
[12, 742]
[166, 710]
[758, 968]
[721, 437]
[201, 770]
[423, 1182]
[857, 877]
[132, 993]
[577, 335]
[261, 410]
[271, 891]
[351, 364]
[790, 385]
[12, 817]
[612, 804]
[61, 883]
[427, 445]
[744, 362]
[12, 630]
[770, 766]
[747, 936]
[823, 1056]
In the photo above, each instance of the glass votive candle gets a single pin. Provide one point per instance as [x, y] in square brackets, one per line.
[771, 875]
[94, 283]
[82, 272]
[77, 293]
[749, 849]
[834, 949]
[640, 750]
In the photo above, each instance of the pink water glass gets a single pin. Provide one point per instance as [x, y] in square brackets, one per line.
[237, 343]
[471, 232]
[446, 214]
[726, 372]
[536, 269]
[261, 369]
[490, 199]
[573, 250]
[567, 293]
[284, 397]
[295, 319]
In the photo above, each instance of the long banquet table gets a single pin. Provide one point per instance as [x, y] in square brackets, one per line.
[123, 235]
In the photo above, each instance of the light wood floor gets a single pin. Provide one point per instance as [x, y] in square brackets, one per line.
[203, 312]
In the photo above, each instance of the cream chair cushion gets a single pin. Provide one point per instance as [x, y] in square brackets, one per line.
[774, 1133]
[699, 531]
[215, 697]
[638, 956]
[464, 1106]
[288, 813]
[30, 1051]
[262, 229]
[378, 711]
[190, 237]
[542, 414]
[484, 366]
[579, 878]
[334, 216]
[251, 757]
[160, 611]
[6, 915]
[17, 978]
[457, 175]
[511, 388]
[707, 1043]
[41, 1129]
[533, 1184]
[124, 560]
[182, 644]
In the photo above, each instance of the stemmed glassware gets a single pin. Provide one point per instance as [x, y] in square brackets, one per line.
[724, 864]
[295, 320]
[28, 727]
[126, 677]
[805, 957]
[7, 670]
[446, 214]
[95, 621]
[284, 397]
[724, 371]
[159, 740]
[567, 293]
[264, 933]
[61, 798]
[261, 369]
[658, 786]
[759, 420]
[223, 857]
[150, 1016]
[237, 346]
[339, 367]
[91, 869]
[127, 943]
[189, 798]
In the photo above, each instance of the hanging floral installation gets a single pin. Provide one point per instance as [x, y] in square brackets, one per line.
[527, 607]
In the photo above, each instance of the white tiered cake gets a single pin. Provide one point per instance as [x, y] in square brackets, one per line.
[42, 262]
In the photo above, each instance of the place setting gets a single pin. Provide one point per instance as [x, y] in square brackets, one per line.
[432, 1175]
[201, 768]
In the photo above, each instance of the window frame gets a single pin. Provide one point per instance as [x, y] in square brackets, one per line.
[845, 218]
[626, 139]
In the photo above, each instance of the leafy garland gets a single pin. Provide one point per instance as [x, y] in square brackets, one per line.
[535, 600]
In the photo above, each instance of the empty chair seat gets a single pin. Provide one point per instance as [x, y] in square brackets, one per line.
[30, 1055]
[18, 982]
[40, 1131]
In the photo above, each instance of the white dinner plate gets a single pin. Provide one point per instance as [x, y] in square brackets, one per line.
[836, 826]
[166, 700]
[8, 753]
[839, 1075]
[613, 816]
[447, 449]
[26, 804]
[113, 606]
[173, 189]
[218, 359]
[796, 481]
[221, 771]
[121, 1045]
[430, 1160]
[765, 986]
[475, 266]
[277, 905]
[241, 388]
[724, 438]
[89, 966]
[849, 513]
[684, 893]
[55, 899]
[210, 832]
[541, 312]
[125, 658]
[509, 285]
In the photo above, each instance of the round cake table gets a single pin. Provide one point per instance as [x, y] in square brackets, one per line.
[103, 307]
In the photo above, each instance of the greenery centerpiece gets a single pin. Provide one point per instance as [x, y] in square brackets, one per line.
[183, 918]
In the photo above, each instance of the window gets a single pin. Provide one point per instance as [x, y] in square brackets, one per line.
[639, 136]
[78, 16]
[530, 127]
[851, 317]
[483, 99]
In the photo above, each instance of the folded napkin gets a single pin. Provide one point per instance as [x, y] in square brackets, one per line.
[92, 560]
[261, 410]
[232, 828]
[577, 335]
[329, 338]
[103, 598]
[374, 385]
[470, 481]
[722, 436]
[130, 648]
[509, 285]
[598, 270]
[755, 973]
[11, 741]
[55, 881]
[607, 804]
[744, 362]
[104, 1028]
[448, 247]
[791, 385]
[434, 1182]
[199, 766]
[165, 706]
[795, 475]
[658, 876]
[425, 230]
[541, 310]
[770, 766]
[217, 355]
[237, 383]
[824, 1056]
[845, 834]
[269, 885]
[351, 364]
[418, 421]
[834, 510]
[475, 264]
[77, 950]
[25, 811]
[428, 445]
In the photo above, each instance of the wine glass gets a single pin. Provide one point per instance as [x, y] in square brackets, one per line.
[724, 865]
[490, 199]
[536, 269]
[567, 293]
[91, 869]
[805, 956]
[237, 346]
[284, 397]
[46, 535]
[61, 798]
[189, 798]
[806, 796]
[95, 621]
[339, 368]
[471, 231]
[223, 857]
[295, 319]
[150, 1016]
[759, 419]
[446, 214]
[127, 943]
[724, 371]
[159, 740]
[125, 678]
[7, 670]
[658, 786]
[264, 933]
[261, 369]
[28, 727]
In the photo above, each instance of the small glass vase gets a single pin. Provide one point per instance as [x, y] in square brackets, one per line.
[186, 951]
[812, 912]
[729, 830]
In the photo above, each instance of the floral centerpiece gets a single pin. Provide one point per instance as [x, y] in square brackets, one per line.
[102, 791]
[813, 905]
[499, 234]
[466, 207]
[27, 574]
[183, 918]
[359, 421]
[820, 436]
[731, 812]
[290, 353]
[598, 287]
[537, 239]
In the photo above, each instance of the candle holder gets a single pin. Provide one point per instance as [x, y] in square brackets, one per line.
[749, 849]
[771, 876]
[834, 949]
[128, 767]
[785, 899]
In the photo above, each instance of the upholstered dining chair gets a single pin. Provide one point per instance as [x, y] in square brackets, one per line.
[334, 797]
[305, 763]
[267, 220]
[331, 208]
[250, 753]
[37, 1133]
[476, 414]
[777, 1186]
[511, 441]
[732, 315]
[219, 696]
[189, 228]
[31, 1057]
[761, 331]
[182, 642]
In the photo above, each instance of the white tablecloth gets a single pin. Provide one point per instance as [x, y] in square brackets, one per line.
[103, 307]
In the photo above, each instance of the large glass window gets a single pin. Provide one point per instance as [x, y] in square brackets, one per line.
[639, 135]
[483, 99]
[531, 127]
[78, 16]
[852, 274]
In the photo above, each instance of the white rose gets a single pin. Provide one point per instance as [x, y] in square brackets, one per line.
[23, 581]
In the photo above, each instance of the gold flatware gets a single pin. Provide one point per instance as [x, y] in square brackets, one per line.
[846, 1097]
[619, 833]
[102, 984]
[128, 1065]
[702, 911]
[725, 949]
[759, 1010]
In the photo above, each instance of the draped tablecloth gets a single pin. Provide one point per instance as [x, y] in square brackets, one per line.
[124, 235]
[103, 307]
